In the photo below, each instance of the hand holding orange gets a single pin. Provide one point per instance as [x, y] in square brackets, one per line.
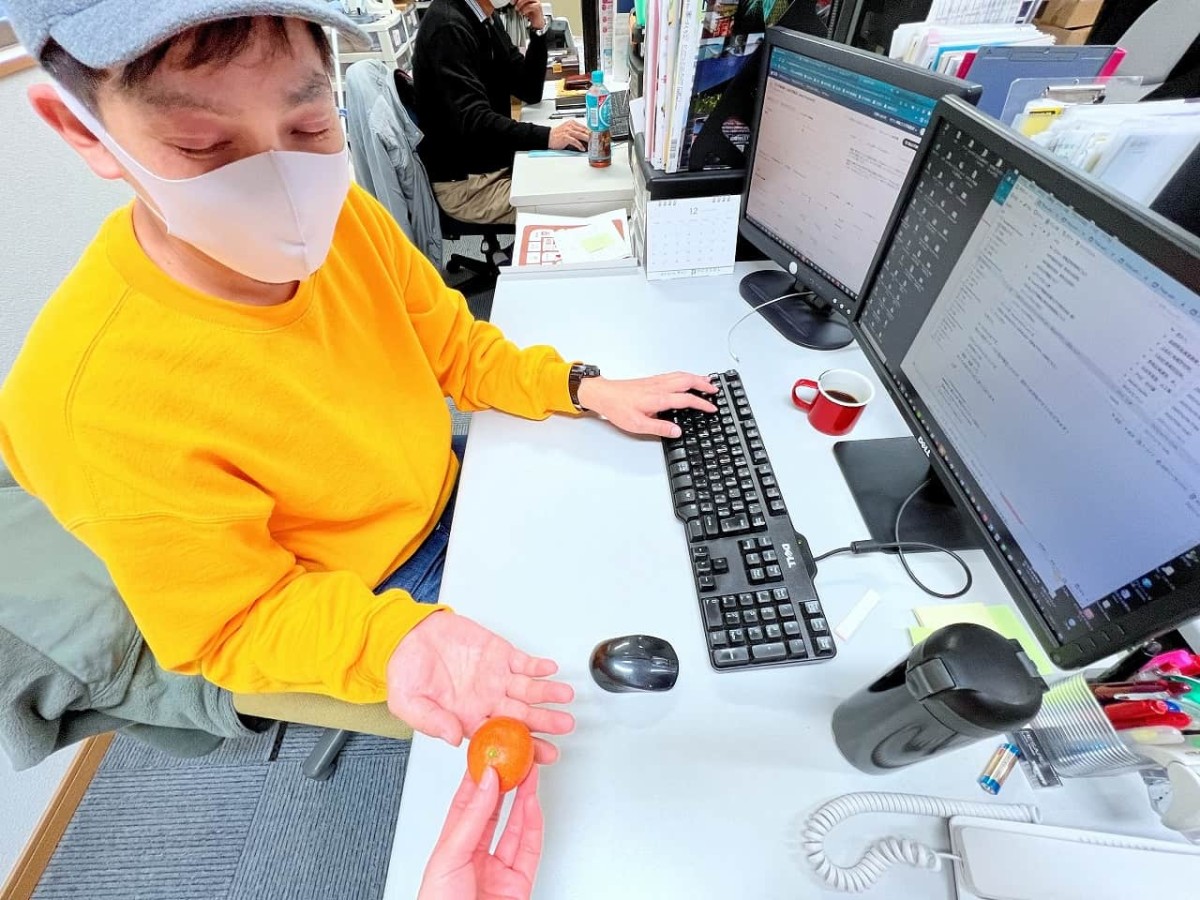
[504, 744]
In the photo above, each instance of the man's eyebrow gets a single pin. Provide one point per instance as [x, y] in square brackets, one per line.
[167, 99]
[315, 88]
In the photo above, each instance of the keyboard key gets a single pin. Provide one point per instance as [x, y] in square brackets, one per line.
[737, 636]
[754, 635]
[770, 556]
[750, 616]
[817, 624]
[753, 559]
[718, 638]
[679, 468]
[738, 524]
[695, 530]
[772, 493]
[757, 523]
[756, 576]
[768, 614]
[707, 508]
[765, 543]
[763, 596]
[796, 647]
[777, 507]
[706, 583]
[677, 455]
[824, 645]
[733, 618]
[688, 511]
[774, 573]
[746, 599]
[768, 480]
[747, 545]
[712, 613]
[812, 608]
[720, 565]
[728, 602]
[711, 526]
[791, 628]
[731, 656]
[685, 496]
[780, 593]
[774, 632]
[769, 651]
[787, 611]
[681, 481]
[703, 567]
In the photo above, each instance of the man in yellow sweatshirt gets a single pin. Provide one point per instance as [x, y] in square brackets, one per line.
[236, 398]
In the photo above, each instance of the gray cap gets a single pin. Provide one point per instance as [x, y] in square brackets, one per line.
[106, 33]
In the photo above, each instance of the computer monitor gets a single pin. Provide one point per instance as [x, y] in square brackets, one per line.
[1042, 338]
[835, 131]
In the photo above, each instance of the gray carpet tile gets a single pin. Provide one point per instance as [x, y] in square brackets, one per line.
[242, 823]
[300, 848]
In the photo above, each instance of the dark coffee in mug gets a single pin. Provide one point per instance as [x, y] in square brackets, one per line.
[841, 397]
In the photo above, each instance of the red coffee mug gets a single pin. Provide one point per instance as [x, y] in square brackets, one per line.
[840, 397]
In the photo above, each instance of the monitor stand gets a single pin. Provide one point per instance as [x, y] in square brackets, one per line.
[809, 322]
[881, 473]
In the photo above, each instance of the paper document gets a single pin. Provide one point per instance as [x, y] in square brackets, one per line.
[559, 243]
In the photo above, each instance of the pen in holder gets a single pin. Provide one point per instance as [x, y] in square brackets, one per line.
[1074, 735]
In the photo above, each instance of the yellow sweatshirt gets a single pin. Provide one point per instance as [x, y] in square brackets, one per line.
[249, 474]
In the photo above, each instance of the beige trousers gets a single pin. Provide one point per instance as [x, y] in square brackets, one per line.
[478, 198]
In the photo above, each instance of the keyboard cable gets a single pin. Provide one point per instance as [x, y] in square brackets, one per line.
[761, 306]
[860, 547]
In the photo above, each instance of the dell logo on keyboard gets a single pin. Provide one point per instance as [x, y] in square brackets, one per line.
[788, 555]
[924, 446]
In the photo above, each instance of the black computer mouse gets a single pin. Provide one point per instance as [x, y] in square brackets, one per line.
[635, 662]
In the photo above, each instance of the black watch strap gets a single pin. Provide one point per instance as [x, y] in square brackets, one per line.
[580, 371]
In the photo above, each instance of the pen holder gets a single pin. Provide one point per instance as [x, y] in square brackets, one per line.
[1076, 737]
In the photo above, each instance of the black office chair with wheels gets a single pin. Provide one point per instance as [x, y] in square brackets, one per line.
[455, 229]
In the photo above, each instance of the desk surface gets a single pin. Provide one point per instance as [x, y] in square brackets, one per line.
[567, 185]
[697, 792]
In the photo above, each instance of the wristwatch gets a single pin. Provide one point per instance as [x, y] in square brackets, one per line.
[540, 32]
[580, 371]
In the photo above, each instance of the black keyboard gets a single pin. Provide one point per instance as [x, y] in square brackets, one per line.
[619, 116]
[753, 571]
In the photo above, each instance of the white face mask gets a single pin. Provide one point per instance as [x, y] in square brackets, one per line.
[500, 4]
[270, 216]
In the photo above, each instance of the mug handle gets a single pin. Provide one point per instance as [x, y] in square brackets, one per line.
[805, 405]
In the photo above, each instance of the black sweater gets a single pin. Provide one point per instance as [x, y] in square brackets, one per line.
[464, 72]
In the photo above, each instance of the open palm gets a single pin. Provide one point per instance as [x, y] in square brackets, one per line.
[462, 866]
[450, 674]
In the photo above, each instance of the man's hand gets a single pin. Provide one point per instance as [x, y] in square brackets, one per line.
[569, 133]
[632, 405]
[461, 868]
[532, 11]
[449, 674]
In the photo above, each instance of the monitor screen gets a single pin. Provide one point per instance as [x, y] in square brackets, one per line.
[1055, 370]
[831, 152]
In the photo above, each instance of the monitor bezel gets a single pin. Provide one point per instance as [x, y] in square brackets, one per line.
[1143, 231]
[860, 62]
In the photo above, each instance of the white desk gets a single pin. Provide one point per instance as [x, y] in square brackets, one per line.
[564, 536]
[567, 185]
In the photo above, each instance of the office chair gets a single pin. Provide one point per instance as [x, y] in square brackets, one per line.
[1158, 39]
[487, 269]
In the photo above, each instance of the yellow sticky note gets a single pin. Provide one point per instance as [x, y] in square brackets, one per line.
[594, 243]
[952, 614]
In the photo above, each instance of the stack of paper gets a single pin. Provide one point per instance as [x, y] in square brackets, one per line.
[1001, 619]
[1133, 148]
[567, 243]
[943, 48]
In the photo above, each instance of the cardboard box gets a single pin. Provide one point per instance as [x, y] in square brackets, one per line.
[1070, 13]
[1066, 36]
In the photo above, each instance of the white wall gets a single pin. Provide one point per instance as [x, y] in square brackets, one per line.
[50, 207]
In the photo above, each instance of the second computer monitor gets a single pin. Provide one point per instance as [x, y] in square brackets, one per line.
[835, 133]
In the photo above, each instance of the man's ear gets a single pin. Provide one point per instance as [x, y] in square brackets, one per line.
[49, 106]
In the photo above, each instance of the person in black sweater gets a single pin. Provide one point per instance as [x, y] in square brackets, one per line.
[465, 68]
